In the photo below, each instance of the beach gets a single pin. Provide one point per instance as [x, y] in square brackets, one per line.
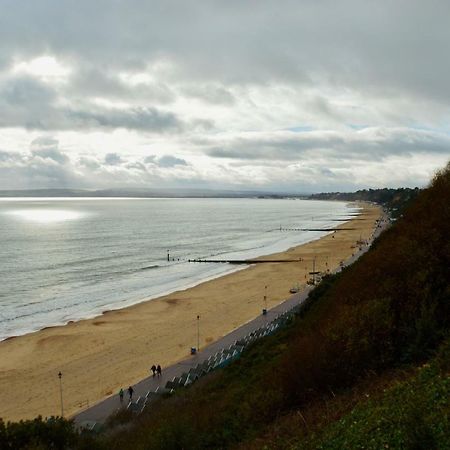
[98, 356]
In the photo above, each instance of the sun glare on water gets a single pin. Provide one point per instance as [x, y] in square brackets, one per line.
[46, 215]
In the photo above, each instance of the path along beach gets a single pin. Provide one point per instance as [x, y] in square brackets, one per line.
[99, 356]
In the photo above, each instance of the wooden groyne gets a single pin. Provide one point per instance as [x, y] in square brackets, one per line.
[244, 261]
[316, 229]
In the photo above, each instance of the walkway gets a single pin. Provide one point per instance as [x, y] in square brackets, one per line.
[102, 410]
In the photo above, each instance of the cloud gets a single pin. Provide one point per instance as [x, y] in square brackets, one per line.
[6, 157]
[113, 159]
[47, 148]
[146, 119]
[165, 161]
[89, 163]
[32, 104]
[210, 93]
[216, 90]
[90, 81]
[170, 161]
[41, 168]
[47, 166]
[369, 144]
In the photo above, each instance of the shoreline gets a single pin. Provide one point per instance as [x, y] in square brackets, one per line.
[134, 303]
[195, 281]
[116, 348]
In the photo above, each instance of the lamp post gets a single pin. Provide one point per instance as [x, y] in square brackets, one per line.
[265, 296]
[265, 301]
[198, 333]
[60, 393]
[314, 271]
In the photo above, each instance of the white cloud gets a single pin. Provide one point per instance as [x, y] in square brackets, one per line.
[46, 68]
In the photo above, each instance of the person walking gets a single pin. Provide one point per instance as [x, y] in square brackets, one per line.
[121, 395]
[153, 369]
[158, 370]
[130, 392]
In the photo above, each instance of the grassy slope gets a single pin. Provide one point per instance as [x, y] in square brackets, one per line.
[414, 414]
[405, 408]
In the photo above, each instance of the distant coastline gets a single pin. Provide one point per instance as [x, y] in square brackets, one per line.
[145, 193]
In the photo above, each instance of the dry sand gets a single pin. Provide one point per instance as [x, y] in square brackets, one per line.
[98, 356]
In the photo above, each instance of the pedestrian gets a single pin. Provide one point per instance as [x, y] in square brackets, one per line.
[158, 370]
[130, 392]
[153, 369]
[121, 395]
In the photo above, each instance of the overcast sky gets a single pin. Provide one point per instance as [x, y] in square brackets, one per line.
[304, 95]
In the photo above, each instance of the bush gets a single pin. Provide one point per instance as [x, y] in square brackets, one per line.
[55, 433]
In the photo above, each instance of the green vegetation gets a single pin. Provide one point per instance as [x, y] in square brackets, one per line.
[55, 433]
[395, 201]
[343, 374]
[413, 414]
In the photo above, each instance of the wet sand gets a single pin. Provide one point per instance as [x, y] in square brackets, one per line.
[98, 356]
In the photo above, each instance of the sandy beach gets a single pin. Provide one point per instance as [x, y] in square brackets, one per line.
[98, 356]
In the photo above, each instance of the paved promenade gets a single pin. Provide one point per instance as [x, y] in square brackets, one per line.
[102, 410]
[99, 412]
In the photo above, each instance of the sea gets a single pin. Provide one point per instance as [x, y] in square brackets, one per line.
[66, 259]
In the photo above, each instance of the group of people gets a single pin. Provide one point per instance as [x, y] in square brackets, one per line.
[156, 370]
[130, 391]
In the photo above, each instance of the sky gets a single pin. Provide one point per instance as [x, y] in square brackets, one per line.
[286, 96]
